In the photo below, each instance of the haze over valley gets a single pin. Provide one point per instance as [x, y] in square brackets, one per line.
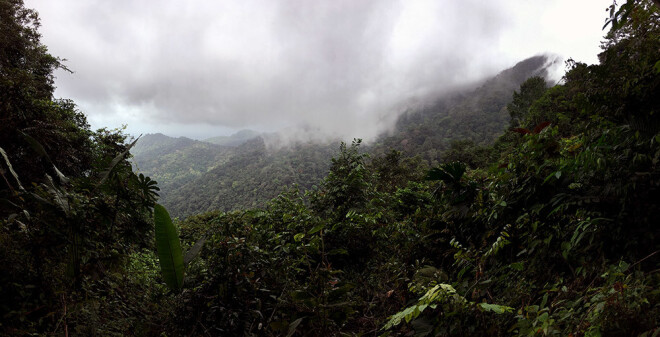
[219, 173]
[330, 168]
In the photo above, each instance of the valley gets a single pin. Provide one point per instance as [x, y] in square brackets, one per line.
[241, 171]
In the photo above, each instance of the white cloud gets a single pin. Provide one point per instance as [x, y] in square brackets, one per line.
[337, 67]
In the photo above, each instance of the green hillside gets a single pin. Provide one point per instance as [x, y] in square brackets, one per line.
[174, 162]
[251, 176]
[478, 115]
[551, 229]
[197, 176]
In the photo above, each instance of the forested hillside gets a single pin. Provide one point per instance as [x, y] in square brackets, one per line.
[249, 176]
[554, 233]
[173, 162]
[477, 115]
[196, 176]
[550, 230]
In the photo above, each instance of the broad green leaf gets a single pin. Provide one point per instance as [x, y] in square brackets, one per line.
[293, 326]
[338, 251]
[169, 249]
[300, 295]
[59, 196]
[315, 229]
[11, 169]
[498, 309]
[194, 250]
[37, 147]
[449, 172]
[545, 300]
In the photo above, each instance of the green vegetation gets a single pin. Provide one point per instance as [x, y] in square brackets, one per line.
[170, 255]
[74, 219]
[549, 230]
[196, 177]
[479, 116]
[174, 162]
[250, 177]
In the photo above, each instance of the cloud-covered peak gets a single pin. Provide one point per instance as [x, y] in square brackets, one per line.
[337, 68]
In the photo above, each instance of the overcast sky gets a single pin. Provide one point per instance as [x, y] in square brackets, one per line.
[207, 68]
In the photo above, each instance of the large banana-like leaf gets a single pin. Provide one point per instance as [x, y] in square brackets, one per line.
[11, 169]
[37, 147]
[169, 249]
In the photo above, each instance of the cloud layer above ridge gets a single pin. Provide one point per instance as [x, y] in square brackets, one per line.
[338, 68]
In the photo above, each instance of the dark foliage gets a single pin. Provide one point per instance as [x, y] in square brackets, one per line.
[550, 230]
[73, 215]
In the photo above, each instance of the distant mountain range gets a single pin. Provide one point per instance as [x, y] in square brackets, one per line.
[238, 171]
[236, 139]
[478, 114]
[197, 176]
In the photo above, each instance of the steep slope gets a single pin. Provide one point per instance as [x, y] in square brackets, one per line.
[479, 115]
[173, 162]
[250, 176]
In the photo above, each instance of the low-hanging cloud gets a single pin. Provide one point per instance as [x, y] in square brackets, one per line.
[339, 67]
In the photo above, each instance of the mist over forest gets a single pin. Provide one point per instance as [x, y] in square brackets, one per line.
[339, 69]
[294, 168]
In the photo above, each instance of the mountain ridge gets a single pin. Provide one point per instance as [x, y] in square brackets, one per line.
[235, 139]
[197, 176]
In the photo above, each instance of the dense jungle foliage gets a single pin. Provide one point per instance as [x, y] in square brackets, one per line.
[74, 215]
[550, 230]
